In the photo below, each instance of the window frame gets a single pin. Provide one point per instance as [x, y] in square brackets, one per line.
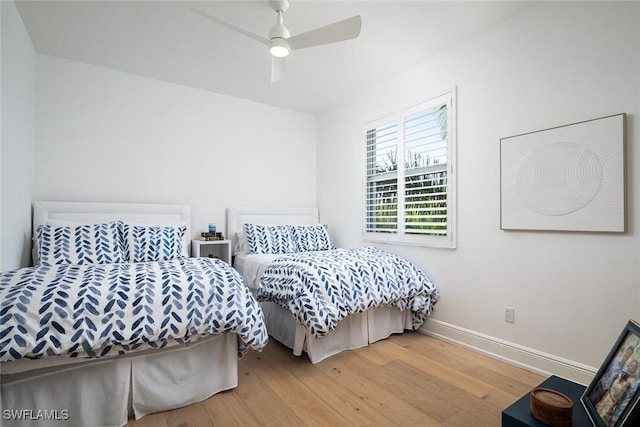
[398, 119]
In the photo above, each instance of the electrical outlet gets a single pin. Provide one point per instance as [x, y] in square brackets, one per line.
[509, 314]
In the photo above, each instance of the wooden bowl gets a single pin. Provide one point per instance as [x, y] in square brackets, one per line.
[551, 407]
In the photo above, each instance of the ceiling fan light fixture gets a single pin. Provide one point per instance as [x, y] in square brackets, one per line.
[279, 48]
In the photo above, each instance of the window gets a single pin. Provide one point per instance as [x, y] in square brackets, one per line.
[409, 180]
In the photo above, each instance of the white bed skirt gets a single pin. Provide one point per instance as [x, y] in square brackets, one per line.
[352, 332]
[105, 393]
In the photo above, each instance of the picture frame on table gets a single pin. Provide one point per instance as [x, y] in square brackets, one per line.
[612, 398]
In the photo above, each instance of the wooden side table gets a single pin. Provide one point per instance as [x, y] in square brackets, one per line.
[519, 414]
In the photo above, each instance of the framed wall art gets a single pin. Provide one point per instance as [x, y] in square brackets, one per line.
[611, 400]
[570, 177]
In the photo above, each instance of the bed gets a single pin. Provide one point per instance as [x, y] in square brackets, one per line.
[274, 278]
[118, 317]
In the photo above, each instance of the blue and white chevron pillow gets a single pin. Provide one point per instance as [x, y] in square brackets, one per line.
[142, 243]
[79, 244]
[270, 239]
[312, 237]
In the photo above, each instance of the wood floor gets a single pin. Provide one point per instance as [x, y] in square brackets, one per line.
[407, 379]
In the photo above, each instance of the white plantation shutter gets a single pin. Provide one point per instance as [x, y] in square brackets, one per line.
[426, 155]
[381, 211]
[410, 186]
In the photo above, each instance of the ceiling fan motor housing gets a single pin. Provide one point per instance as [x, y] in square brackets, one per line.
[279, 5]
[279, 30]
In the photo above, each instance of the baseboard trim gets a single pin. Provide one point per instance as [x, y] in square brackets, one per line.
[514, 354]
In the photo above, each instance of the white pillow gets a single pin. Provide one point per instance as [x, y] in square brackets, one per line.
[241, 245]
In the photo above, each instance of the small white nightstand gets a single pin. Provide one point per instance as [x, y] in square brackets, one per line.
[218, 248]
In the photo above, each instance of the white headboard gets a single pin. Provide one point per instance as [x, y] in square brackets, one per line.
[93, 212]
[237, 217]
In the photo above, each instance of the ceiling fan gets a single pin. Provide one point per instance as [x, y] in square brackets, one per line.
[280, 41]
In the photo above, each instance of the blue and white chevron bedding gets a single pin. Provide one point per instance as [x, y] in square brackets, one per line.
[101, 310]
[321, 288]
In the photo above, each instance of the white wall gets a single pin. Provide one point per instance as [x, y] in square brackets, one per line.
[555, 64]
[17, 139]
[104, 135]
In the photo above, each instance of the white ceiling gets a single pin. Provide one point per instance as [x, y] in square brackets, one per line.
[165, 40]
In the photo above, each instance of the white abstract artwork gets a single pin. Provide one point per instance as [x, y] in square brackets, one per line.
[565, 178]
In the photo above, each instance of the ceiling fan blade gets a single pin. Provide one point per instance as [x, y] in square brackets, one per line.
[278, 66]
[231, 26]
[343, 30]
